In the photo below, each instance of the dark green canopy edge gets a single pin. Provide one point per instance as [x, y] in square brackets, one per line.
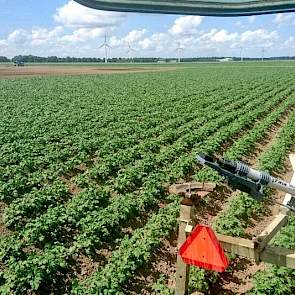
[195, 7]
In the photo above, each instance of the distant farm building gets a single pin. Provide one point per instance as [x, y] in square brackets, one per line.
[227, 59]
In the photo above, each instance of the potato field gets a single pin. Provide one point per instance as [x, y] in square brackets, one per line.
[85, 162]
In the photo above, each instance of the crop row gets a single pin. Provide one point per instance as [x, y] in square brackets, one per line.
[280, 280]
[34, 204]
[19, 183]
[242, 207]
[132, 141]
[244, 145]
[121, 213]
[142, 168]
[93, 226]
[213, 142]
[110, 164]
[101, 134]
[133, 252]
[90, 221]
[105, 281]
[136, 151]
[28, 264]
[277, 280]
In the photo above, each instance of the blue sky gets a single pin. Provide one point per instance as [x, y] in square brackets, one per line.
[63, 27]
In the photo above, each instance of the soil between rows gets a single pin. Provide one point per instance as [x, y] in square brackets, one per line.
[239, 279]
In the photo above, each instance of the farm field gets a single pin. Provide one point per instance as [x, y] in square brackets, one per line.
[85, 161]
[9, 71]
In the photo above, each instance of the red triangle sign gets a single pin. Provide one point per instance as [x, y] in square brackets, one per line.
[203, 249]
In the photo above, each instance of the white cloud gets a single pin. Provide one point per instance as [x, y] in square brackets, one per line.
[77, 25]
[18, 36]
[159, 43]
[290, 42]
[75, 15]
[85, 42]
[259, 36]
[83, 35]
[3, 43]
[212, 42]
[217, 36]
[280, 18]
[43, 36]
[146, 44]
[135, 35]
[186, 25]
[35, 37]
[223, 36]
[131, 38]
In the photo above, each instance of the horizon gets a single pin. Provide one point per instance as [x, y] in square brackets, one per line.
[270, 58]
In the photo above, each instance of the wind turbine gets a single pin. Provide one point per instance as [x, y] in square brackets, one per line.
[106, 47]
[179, 49]
[262, 50]
[262, 53]
[241, 54]
[129, 51]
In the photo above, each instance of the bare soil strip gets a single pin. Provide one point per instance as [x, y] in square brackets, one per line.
[13, 72]
[163, 261]
[259, 224]
[4, 231]
[267, 141]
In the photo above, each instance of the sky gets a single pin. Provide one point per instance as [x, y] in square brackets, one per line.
[65, 28]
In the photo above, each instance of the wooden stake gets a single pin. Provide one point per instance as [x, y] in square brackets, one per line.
[271, 230]
[182, 269]
[191, 192]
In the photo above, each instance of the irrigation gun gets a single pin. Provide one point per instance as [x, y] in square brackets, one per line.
[244, 178]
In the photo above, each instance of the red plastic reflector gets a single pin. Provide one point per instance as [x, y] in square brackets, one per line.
[203, 249]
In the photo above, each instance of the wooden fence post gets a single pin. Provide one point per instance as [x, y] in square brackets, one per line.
[182, 269]
[192, 192]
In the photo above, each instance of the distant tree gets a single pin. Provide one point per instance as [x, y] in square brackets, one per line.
[4, 59]
[68, 59]
[52, 59]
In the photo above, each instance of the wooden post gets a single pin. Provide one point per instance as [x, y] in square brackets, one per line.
[246, 248]
[275, 226]
[257, 249]
[268, 234]
[182, 269]
[191, 192]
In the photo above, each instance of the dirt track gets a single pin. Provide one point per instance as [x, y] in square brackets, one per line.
[11, 71]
